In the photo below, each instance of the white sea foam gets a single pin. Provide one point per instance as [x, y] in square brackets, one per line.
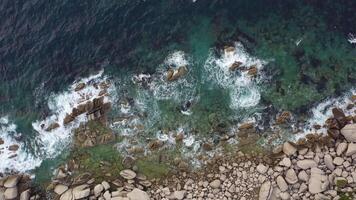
[178, 90]
[60, 105]
[352, 38]
[244, 91]
[49, 143]
[23, 160]
[321, 112]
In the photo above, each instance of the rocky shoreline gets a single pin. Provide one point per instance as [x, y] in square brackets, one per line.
[317, 167]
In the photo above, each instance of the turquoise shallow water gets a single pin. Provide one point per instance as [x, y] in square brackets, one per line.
[45, 46]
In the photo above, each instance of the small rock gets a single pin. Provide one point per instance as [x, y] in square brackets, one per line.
[179, 194]
[262, 169]
[315, 181]
[106, 185]
[303, 176]
[306, 163]
[291, 176]
[328, 160]
[215, 184]
[285, 162]
[338, 161]
[128, 174]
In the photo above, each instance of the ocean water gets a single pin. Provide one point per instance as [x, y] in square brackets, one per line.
[304, 53]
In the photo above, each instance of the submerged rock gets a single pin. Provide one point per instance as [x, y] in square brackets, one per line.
[79, 87]
[235, 66]
[52, 126]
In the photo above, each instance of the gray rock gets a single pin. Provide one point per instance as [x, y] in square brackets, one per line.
[261, 169]
[303, 176]
[11, 181]
[60, 189]
[338, 161]
[106, 185]
[137, 194]
[285, 196]
[179, 194]
[285, 162]
[341, 148]
[328, 160]
[215, 184]
[349, 132]
[265, 191]
[351, 149]
[281, 183]
[81, 191]
[315, 181]
[98, 189]
[11, 193]
[25, 195]
[67, 195]
[291, 176]
[289, 149]
[306, 163]
[128, 174]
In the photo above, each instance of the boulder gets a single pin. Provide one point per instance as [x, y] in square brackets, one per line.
[1, 141]
[11, 193]
[341, 148]
[315, 181]
[11, 181]
[351, 149]
[25, 195]
[128, 174]
[81, 191]
[67, 195]
[252, 71]
[60, 189]
[283, 186]
[179, 194]
[170, 73]
[265, 191]
[98, 189]
[306, 164]
[303, 176]
[349, 132]
[106, 185]
[291, 176]
[328, 160]
[289, 149]
[229, 49]
[137, 194]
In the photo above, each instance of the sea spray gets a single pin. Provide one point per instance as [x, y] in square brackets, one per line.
[244, 91]
[19, 160]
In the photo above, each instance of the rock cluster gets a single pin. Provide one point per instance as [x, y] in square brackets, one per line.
[16, 187]
[130, 186]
